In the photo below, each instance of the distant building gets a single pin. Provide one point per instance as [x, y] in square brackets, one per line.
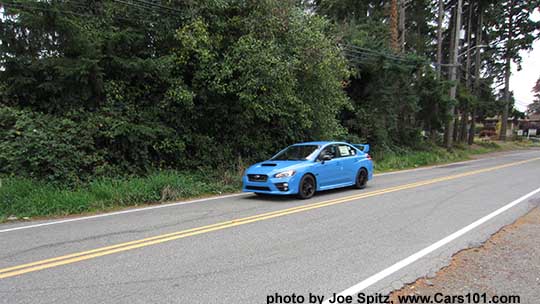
[513, 125]
[532, 121]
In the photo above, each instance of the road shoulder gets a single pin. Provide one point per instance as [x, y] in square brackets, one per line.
[508, 263]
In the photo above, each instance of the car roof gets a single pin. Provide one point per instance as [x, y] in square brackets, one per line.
[319, 143]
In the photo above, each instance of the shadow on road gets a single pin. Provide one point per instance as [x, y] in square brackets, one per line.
[292, 198]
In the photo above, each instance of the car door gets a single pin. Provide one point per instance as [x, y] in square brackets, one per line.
[327, 172]
[348, 161]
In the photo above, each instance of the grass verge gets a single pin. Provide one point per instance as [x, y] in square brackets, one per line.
[22, 197]
[433, 155]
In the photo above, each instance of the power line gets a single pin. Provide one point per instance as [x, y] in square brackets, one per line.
[359, 55]
[370, 55]
[159, 5]
[360, 50]
[147, 5]
[33, 7]
[53, 9]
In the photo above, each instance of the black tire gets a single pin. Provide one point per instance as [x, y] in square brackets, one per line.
[307, 187]
[361, 179]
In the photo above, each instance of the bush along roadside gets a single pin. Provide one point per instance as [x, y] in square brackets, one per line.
[25, 197]
[433, 155]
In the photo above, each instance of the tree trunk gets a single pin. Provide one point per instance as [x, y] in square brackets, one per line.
[453, 75]
[465, 107]
[439, 37]
[463, 129]
[402, 25]
[394, 25]
[468, 62]
[455, 135]
[504, 122]
[439, 54]
[472, 130]
[477, 64]
[507, 72]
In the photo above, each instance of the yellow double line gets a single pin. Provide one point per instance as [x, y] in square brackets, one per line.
[98, 252]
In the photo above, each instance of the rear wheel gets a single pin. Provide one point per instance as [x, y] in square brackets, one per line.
[306, 188]
[361, 179]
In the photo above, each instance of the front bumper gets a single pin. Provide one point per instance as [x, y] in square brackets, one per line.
[278, 186]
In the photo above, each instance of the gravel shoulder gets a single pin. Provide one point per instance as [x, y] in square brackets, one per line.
[506, 264]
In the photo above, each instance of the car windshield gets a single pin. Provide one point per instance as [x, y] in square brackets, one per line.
[300, 152]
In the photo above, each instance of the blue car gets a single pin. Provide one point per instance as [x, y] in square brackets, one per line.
[304, 168]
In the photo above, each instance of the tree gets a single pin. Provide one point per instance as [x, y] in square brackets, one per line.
[536, 89]
[394, 27]
[511, 31]
[477, 66]
[349, 10]
[440, 19]
[534, 107]
[456, 26]
[124, 89]
[117, 87]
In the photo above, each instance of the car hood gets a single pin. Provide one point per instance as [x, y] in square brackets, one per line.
[272, 167]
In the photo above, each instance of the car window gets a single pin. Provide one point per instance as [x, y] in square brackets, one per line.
[330, 150]
[346, 150]
[297, 152]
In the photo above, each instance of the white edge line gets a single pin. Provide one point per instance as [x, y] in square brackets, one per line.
[209, 199]
[420, 254]
[122, 212]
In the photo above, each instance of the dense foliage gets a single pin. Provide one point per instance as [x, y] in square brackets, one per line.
[104, 95]
[106, 88]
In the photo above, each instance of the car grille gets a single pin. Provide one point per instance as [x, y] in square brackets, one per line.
[257, 177]
[258, 188]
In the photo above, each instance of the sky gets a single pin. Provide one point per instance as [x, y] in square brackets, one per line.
[522, 82]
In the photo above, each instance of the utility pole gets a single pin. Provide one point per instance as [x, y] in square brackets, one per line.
[453, 75]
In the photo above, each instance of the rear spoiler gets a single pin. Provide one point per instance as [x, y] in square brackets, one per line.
[364, 148]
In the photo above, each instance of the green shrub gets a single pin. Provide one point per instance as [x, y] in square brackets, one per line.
[45, 146]
[413, 158]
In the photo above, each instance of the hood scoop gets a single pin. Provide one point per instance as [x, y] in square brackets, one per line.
[268, 165]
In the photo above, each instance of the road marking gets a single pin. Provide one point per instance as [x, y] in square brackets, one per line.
[215, 198]
[98, 252]
[122, 212]
[420, 254]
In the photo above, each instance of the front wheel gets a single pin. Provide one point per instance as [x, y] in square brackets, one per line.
[361, 179]
[306, 188]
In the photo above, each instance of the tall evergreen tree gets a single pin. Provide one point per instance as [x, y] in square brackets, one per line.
[511, 31]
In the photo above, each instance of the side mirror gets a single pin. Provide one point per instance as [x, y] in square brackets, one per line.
[326, 157]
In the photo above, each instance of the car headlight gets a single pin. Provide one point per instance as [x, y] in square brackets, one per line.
[288, 173]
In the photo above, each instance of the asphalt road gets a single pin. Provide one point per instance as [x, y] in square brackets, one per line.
[242, 248]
